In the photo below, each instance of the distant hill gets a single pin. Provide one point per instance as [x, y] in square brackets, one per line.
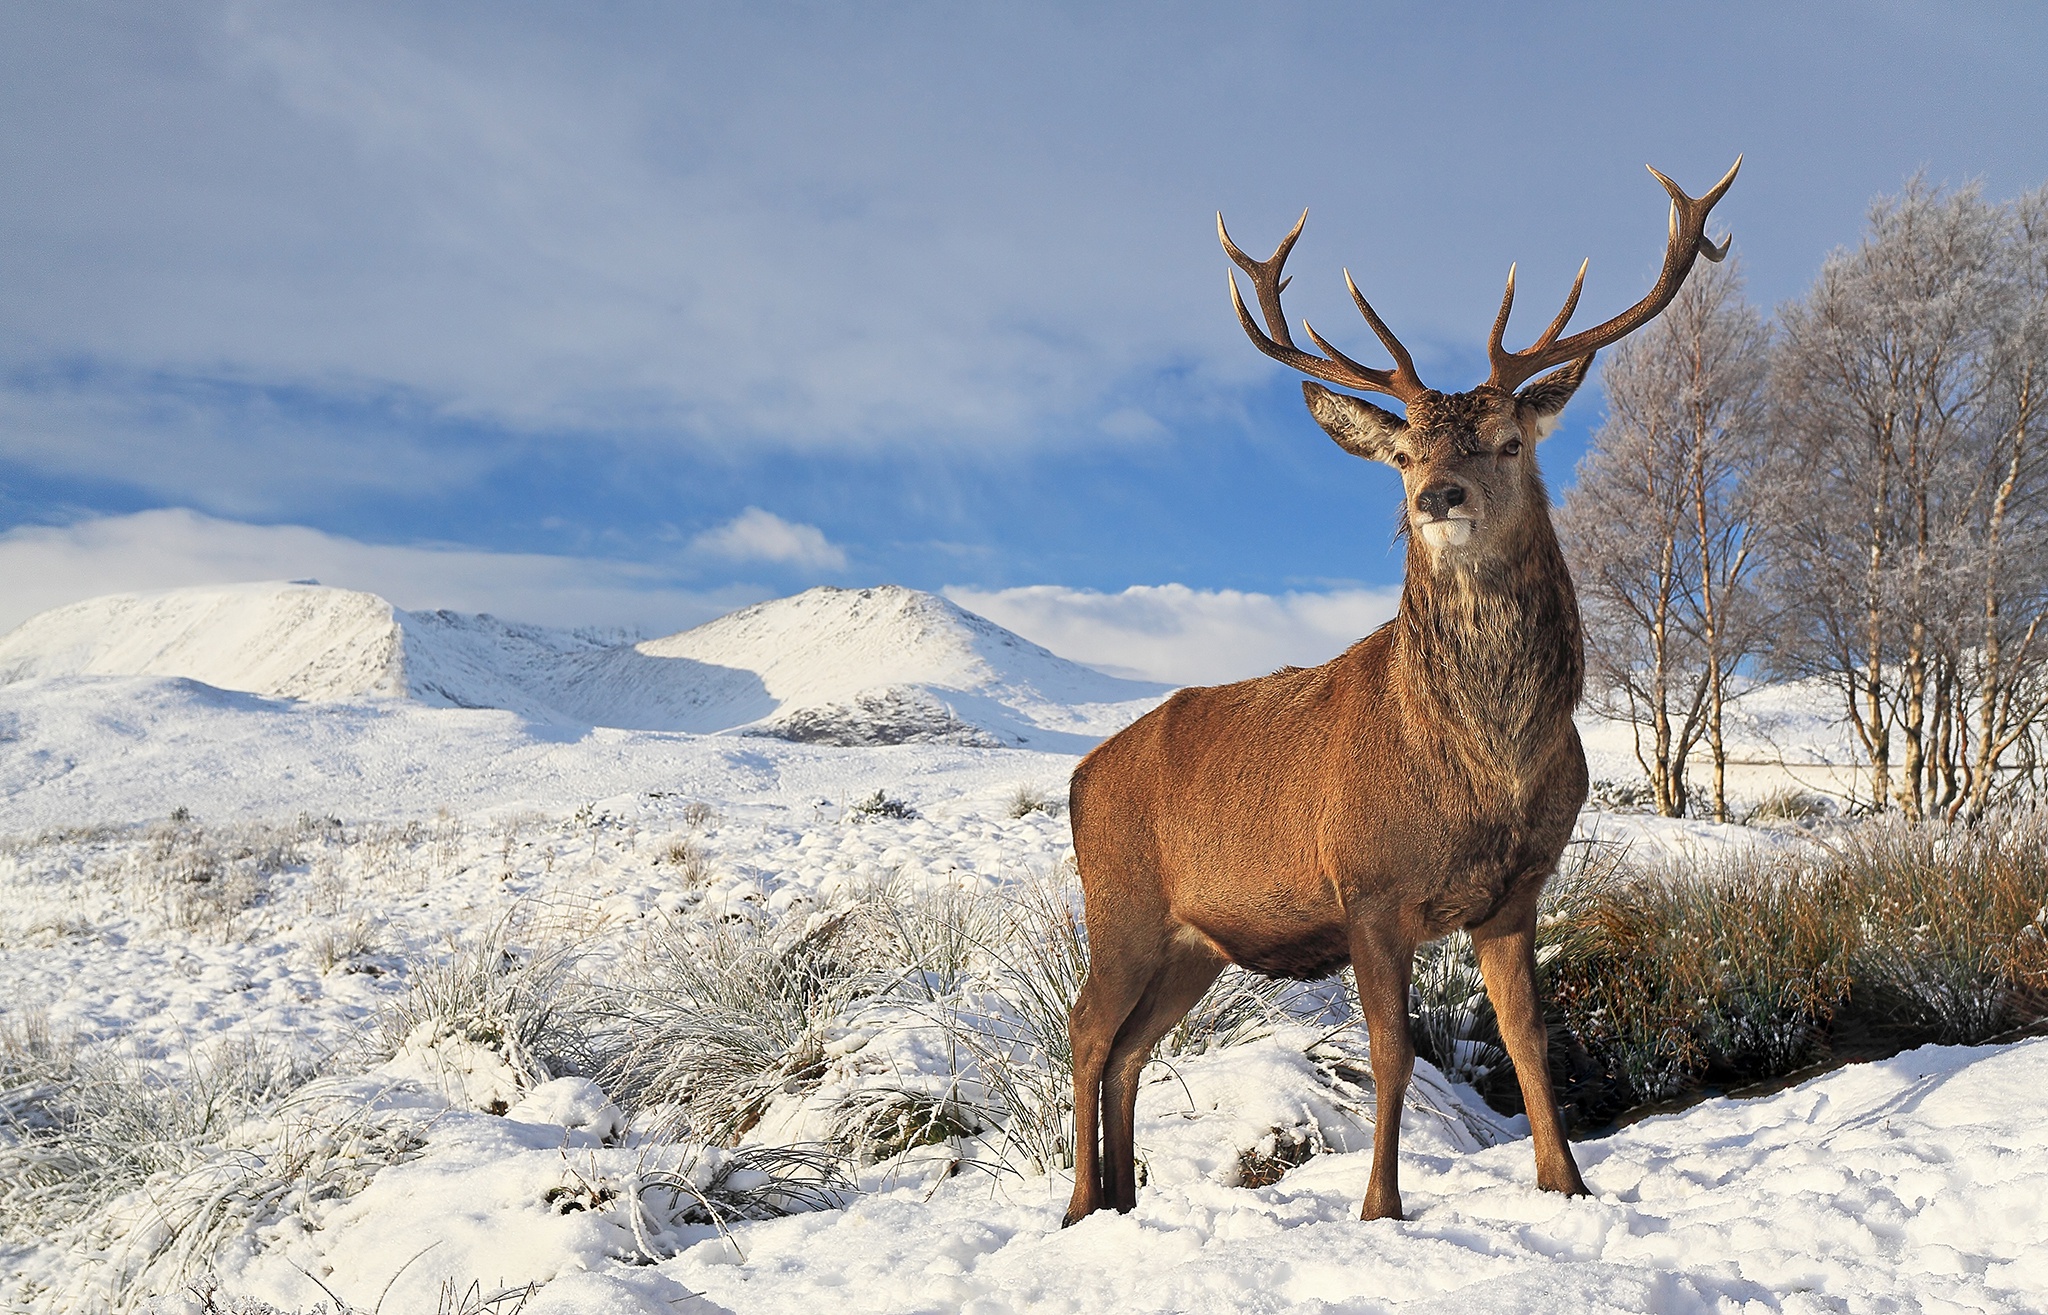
[887, 665]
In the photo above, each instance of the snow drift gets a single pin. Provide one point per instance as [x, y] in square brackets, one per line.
[833, 666]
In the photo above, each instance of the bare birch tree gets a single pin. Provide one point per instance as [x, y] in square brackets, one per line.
[1662, 530]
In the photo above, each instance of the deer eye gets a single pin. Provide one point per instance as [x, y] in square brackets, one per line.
[1401, 460]
[1513, 448]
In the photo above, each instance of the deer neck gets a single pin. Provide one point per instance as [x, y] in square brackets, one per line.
[1488, 658]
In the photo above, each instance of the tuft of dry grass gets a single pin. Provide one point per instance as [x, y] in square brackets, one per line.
[1952, 932]
[692, 863]
[717, 1018]
[1029, 799]
[512, 998]
[1790, 804]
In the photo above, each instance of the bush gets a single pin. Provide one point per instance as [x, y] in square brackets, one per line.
[147, 1174]
[1450, 1014]
[1015, 1028]
[202, 881]
[1622, 796]
[688, 858]
[1953, 934]
[1746, 968]
[880, 804]
[1789, 804]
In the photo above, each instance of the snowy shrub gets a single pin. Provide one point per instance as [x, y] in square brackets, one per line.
[1281, 1150]
[943, 933]
[351, 946]
[1662, 976]
[1238, 1007]
[1634, 796]
[708, 1185]
[880, 804]
[688, 858]
[82, 1128]
[1790, 804]
[1023, 1053]
[199, 880]
[1742, 968]
[881, 1123]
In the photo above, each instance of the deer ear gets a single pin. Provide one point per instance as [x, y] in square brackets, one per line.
[1359, 427]
[1540, 406]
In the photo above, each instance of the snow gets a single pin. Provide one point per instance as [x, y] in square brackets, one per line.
[1916, 1183]
[1785, 736]
[363, 826]
[77, 750]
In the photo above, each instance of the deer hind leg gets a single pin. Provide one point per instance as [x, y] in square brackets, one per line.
[1180, 981]
[1383, 964]
[1130, 947]
[1505, 946]
[1106, 1000]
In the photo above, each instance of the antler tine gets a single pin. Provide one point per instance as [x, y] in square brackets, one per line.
[1571, 303]
[1404, 364]
[1267, 284]
[1500, 320]
[1686, 242]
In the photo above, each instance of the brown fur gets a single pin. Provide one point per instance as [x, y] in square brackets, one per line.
[1425, 780]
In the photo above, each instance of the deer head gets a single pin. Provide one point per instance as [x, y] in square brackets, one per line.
[1470, 484]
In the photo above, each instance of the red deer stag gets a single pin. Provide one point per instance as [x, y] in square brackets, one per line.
[1424, 781]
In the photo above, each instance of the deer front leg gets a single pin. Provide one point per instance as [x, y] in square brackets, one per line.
[1382, 964]
[1506, 949]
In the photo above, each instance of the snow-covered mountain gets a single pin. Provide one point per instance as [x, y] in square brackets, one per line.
[835, 666]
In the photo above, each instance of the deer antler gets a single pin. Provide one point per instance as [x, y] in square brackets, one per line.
[1400, 382]
[1688, 241]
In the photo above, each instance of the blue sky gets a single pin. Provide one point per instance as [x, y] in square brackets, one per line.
[696, 304]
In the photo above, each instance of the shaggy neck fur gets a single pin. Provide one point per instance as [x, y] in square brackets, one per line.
[1488, 657]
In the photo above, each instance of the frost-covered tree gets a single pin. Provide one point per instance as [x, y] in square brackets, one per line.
[1913, 495]
[1663, 533]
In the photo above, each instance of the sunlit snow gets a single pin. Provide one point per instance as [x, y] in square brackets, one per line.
[1915, 1183]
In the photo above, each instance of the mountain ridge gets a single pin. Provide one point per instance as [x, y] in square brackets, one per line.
[882, 665]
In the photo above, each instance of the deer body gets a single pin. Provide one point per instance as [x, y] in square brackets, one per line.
[1424, 781]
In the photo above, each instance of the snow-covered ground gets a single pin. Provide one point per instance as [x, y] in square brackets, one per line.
[336, 852]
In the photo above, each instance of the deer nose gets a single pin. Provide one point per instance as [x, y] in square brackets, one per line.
[1438, 499]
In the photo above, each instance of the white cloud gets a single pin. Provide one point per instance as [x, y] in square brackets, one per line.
[762, 536]
[1186, 636]
[43, 567]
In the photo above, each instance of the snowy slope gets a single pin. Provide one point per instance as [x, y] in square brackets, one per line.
[869, 666]
[286, 640]
[839, 665]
